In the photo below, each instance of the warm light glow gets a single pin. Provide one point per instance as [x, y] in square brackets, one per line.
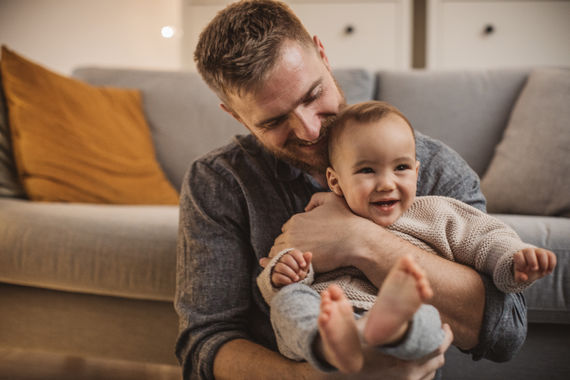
[167, 31]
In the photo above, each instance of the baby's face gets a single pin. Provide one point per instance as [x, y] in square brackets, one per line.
[376, 169]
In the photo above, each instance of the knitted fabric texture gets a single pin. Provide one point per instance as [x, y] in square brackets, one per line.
[441, 225]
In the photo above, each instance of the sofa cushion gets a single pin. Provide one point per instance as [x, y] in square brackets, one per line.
[184, 115]
[77, 143]
[467, 110]
[117, 250]
[530, 172]
[548, 299]
[9, 184]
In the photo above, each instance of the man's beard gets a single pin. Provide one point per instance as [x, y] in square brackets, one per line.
[293, 153]
[318, 162]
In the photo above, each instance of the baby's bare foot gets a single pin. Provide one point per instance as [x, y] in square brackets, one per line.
[340, 343]
[406, 287]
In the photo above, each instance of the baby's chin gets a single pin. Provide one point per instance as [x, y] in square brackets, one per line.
[385, 220]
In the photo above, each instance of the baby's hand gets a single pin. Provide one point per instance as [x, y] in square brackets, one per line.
[291, 267]
[533, 263]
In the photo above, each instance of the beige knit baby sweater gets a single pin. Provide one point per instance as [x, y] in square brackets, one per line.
[441, 225]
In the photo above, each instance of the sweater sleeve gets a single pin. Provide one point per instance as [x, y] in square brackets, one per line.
[213, 262]
[464, 234]
[268, 291]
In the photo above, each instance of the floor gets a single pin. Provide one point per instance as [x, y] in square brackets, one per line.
[26, 365]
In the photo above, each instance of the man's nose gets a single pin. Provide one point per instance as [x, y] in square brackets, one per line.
[307, 124]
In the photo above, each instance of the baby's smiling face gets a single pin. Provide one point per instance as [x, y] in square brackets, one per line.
[375, 168]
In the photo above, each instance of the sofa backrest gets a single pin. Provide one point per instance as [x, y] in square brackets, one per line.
[468, 110]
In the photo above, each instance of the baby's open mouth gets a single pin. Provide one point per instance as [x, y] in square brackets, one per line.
[385, 203]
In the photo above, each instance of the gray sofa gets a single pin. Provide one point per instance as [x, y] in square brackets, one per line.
[99, 279]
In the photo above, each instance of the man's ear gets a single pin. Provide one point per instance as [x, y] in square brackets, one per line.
[321, 49]
[231, 112]
[332, 180]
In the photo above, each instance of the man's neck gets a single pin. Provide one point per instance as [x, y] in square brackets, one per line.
[319, 177]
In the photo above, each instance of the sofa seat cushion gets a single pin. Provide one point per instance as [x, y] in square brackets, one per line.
[118, 250]
[548, 299]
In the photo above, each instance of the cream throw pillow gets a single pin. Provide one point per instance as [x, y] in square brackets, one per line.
[74, 142]
[530, 171]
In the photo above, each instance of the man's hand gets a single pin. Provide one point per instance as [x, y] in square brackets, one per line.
[326, 231]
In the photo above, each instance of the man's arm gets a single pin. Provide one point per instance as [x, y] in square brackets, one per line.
[213, 287]
[242, 359]
[459, 293]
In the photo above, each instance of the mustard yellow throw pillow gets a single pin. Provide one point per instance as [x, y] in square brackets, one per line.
[74, 142]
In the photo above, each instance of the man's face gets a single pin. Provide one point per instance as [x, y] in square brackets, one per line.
[291, 110]
[375, 168]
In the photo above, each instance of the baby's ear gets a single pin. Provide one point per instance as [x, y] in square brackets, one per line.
[417, 167]
[332, 180]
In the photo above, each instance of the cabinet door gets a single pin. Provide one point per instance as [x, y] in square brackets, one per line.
[486, 34]
[370, 34]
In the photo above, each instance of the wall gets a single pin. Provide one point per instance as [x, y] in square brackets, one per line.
[63, 34]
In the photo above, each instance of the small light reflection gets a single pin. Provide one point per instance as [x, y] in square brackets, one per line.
[167, 31]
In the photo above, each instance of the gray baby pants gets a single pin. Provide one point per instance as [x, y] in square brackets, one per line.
[294, 313]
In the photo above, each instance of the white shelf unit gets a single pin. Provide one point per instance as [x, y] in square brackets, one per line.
[463, 34]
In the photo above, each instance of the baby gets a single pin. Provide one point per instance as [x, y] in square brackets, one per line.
[373, 166]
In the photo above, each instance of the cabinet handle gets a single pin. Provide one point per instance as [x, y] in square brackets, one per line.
[349, 29]
[489, 29]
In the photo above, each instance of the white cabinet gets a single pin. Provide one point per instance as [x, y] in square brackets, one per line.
[500, 33]
[372, 34]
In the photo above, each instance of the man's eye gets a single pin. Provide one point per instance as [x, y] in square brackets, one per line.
[273, 124]
[314, 95]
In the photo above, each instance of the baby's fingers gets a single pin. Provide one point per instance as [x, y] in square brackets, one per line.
[521, 276]
[546, 260]
[530, 256]
[297, 260]
[308, 256]
[520, 262]
[551, 261]
[285, 271]
[280, 280]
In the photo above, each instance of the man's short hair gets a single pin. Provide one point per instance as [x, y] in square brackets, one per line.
[242, 43]
[365, 112]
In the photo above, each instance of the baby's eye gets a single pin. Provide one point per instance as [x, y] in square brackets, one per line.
[365, 170]
[402, 167]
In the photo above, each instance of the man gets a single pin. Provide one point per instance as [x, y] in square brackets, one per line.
[276, 80]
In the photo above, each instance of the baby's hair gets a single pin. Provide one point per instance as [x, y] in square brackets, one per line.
[365, 112]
